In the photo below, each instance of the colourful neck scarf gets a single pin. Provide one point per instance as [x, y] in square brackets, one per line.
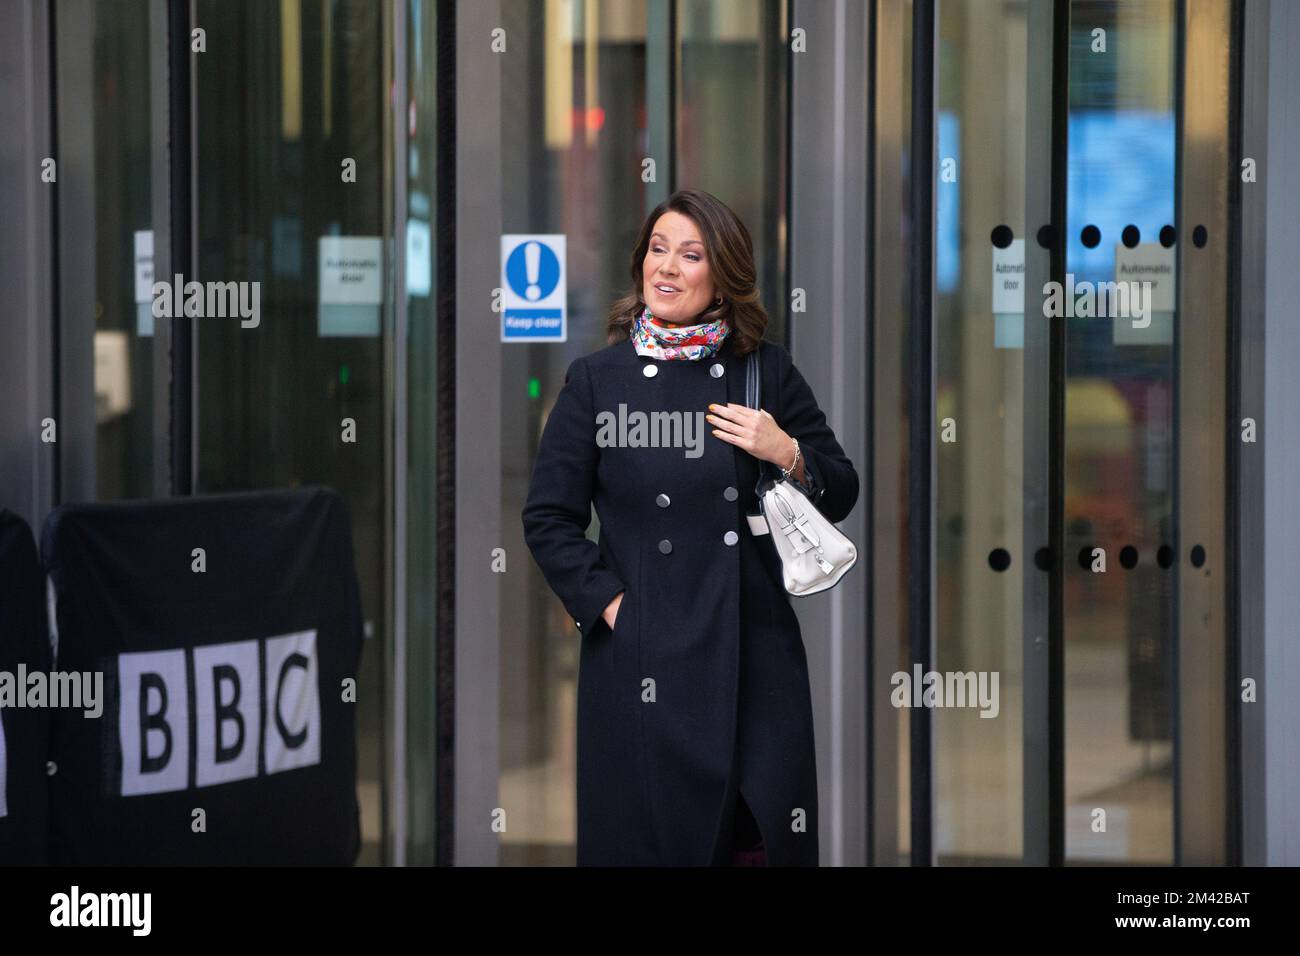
[688, 342]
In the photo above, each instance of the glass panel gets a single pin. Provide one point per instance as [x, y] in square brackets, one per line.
[733, 65]
[573, 135]
[1118, 450]
[102, 64]
[298, 89]
[980, 566]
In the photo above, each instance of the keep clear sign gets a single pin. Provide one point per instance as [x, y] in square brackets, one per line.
[1009, 296]
[534, 288]
[1148, 269]
[351, 285]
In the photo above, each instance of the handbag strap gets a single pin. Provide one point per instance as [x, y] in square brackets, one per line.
[753, 396]
[753, 382]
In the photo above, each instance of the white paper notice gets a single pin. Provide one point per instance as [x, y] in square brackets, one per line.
[1149, 262]
[351, 288]
[1009, 278]
[144, 282]
[351, 270]
[419, 265]
[144, 266]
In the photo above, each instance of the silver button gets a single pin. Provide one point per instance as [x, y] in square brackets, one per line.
[663, 501]
[650, 371]
[665, 546]
[730, 493]
[731, 538]
[716, 370]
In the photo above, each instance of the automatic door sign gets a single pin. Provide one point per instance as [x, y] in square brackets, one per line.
[534, 287]
[1009, 296]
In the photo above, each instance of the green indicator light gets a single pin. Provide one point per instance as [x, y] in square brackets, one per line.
[534, 388]
[344, 374]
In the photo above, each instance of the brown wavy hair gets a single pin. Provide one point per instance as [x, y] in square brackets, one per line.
[730, 254]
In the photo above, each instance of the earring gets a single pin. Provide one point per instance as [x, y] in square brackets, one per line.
[718, 301]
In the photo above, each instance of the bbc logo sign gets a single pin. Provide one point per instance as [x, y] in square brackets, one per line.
[244, 692]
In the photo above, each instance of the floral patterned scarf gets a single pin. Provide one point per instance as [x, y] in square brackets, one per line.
[688, 342]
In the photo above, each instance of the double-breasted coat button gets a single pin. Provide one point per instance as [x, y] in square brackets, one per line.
[650, 370]
[665, 546]
[731, 538]
[730, 493]
[663, 501]
[716, 370]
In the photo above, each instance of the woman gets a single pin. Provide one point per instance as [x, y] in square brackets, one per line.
[695, 728]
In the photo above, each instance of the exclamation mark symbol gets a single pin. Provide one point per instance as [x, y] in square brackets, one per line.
[532, 267]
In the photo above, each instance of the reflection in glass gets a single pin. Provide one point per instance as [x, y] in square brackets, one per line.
[979, 413]
[573, 134]
[299, 87]
[1118, 468]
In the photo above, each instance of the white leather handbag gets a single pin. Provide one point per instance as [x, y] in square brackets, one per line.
[814, 553]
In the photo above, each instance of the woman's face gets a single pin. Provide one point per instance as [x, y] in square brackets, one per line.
[675, 279]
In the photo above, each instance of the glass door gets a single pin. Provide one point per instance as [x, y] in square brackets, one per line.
[1080, 576]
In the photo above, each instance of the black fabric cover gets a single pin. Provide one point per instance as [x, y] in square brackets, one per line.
[24, 639]
[239, 697]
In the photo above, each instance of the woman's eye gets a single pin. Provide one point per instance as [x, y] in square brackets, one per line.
[693, 257]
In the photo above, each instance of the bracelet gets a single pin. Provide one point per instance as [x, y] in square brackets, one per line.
[787, 472]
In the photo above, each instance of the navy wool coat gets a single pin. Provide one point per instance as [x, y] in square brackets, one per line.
[701, 688]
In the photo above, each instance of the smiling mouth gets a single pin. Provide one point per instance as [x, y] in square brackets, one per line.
[667, 290]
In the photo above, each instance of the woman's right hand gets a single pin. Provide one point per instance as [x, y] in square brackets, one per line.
[610, 613]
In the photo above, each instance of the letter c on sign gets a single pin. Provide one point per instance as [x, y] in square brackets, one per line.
[291, 740]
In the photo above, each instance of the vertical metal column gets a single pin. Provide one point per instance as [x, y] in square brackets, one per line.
[395, 356]
[920, 479]
[478, 432]
[884, 470]
[180, 182]
[829, 229]
[1279, 674]
[1251, 573]
[1046, 161]
[1201, 433]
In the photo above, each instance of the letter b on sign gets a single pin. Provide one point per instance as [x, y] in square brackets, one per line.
[153, 724]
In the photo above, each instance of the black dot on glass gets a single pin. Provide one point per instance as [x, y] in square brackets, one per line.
[1002, 236]
[1091, 235]
[1168, 236]
[1043, 559]
[1128, 556]
[1197, 556]
[999, 559]
[1131, 236]
[1165, 556]
[1085, 557]
[1047, 236]
[1199, 237]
